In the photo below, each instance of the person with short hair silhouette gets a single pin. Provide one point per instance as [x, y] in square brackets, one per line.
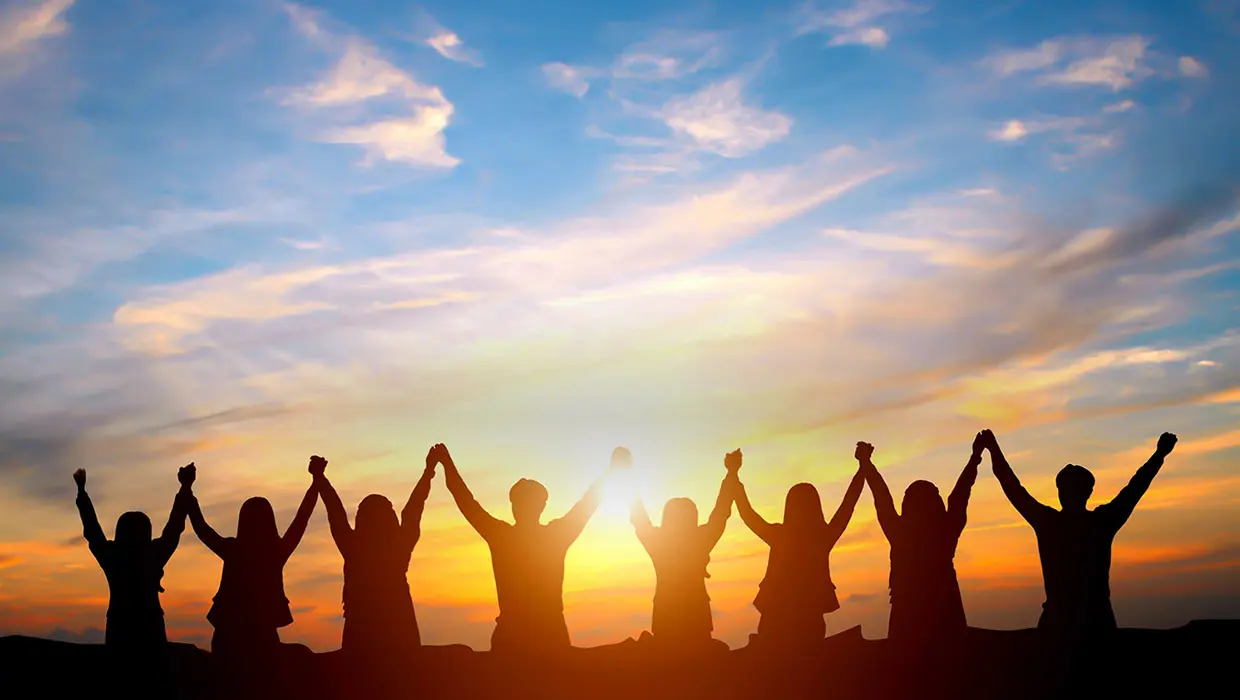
[680, 551]
[1074, 543]
[527, 558]
[797, 591]
[250, 607]
[926, 608]
[133, 564]
[379, 619]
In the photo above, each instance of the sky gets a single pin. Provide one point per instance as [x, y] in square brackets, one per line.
[242, 232]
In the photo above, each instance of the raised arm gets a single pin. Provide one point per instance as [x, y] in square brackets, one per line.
[297, 528]
[958, 501]
[641, 522]
[168, 540]
[575, 520]
[839, 521]
[337, 518]
[483, 522]
[411, 515]
[884, 505]
[1028, 506]
[1123, 504]
[718, 520]
[756, 523]
[206, 534]
[95, 539]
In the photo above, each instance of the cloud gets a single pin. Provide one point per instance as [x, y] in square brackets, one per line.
[415, 140]
[856, 23]
[574, 80]
[1117, 63]
[717, 120]
[362, 75]
[25, 24]
[450, 46]
[1192, 68]
[1119, 107]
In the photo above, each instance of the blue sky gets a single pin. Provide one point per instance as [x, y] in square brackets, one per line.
[244, 231]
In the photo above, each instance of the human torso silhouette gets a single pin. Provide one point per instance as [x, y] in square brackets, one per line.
[681, 603]
[1075, 551]
[251, 592]
[798, 572]
[528, 562]
[925, 595]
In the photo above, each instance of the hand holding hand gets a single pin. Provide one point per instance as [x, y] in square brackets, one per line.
[987, 439]
[732, 462]
[441, 455]
[1166, 443]
[317, 465]
[186, 475]
[621, 459]
[979, 443]
[864, 452]
[79, 478]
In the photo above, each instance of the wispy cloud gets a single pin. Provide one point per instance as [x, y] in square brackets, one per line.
[1117, 63]
[575, 80]
[858, 23]
[717, 119]
[450, 46]
[24, 24]
[361, 75]
[1192, 68]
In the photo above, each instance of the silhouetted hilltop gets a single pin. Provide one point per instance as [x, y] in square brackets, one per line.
[990, 664]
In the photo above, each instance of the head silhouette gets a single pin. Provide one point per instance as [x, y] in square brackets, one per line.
[922, 503]
[133, 529]
[256, 524]
[680, 515]
[1076, 485]
[376, 518]
[803, 508]
[529, 498]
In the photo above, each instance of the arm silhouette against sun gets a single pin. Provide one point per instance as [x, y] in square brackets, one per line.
[1028, 506]
[411, 514]
[884, 505]
[337, 518]
[483, 522]
[1121, 507]
[958, 501]
[756, 523]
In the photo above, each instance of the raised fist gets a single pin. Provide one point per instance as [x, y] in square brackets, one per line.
[1166, 443]
[79, 478]
[621, 458]
[317, 465]
[732, 462]
[864, 451]
[186, 475]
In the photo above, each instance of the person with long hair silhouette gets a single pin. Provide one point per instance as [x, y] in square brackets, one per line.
[797, 591]
[680, 551]
[925, 596]
[133, 564]
[250, 607]
[527, 557]
[1074, 543]
[379, 620]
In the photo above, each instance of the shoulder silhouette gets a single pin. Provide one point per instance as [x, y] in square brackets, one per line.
[1074, 543]
[527, 558]
[133, 564]
[797, 591]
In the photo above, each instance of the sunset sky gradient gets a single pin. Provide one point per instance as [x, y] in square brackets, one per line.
[241, 232]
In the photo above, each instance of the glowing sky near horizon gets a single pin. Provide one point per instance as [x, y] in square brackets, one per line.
[242, 232]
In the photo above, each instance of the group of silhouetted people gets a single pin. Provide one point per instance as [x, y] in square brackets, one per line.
[527, 556]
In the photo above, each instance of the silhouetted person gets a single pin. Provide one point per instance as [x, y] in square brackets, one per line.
[250, 607]
[680, 551]
[527, 558]
[379, 619]
[925, 597]
[1074, 543]
[797, 589]
[133, 564]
